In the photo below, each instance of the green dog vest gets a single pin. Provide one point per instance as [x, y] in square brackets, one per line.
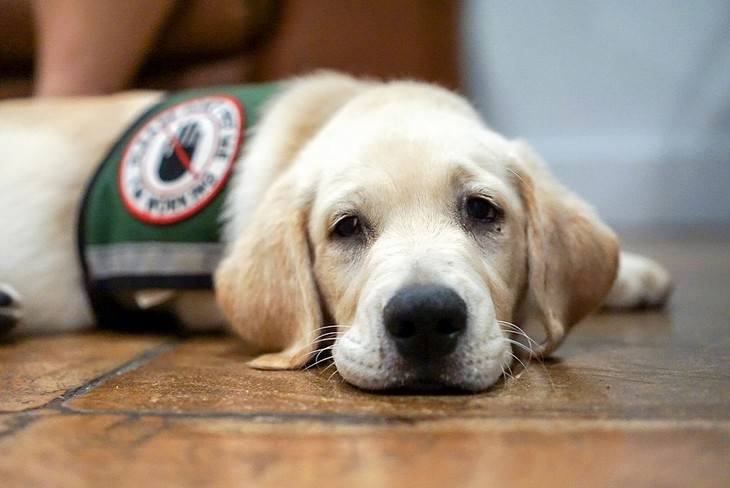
[150, 216]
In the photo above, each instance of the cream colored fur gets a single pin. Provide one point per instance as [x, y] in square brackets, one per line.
[403, 156]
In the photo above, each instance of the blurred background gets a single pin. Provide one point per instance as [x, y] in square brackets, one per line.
[628, 101]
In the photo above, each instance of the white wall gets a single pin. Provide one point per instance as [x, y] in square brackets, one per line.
[628, 101]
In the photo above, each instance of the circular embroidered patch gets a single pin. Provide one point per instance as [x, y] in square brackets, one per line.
[177, 161]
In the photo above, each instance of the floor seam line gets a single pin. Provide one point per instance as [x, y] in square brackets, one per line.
[17, 424]
[130, 365]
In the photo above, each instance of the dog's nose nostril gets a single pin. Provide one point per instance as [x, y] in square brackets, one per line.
[403, 329]
[447, 327]
[425, 321]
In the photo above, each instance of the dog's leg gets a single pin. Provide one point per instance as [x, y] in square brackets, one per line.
[10, 308]
[641, 283]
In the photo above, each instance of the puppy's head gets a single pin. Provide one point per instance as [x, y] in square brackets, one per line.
[421, 235]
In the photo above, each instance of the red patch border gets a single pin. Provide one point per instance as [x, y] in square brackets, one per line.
[202, 203]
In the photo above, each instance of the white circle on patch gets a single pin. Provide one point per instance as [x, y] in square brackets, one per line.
[180, 159]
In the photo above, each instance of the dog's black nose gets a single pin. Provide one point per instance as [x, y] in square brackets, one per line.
[425, 321]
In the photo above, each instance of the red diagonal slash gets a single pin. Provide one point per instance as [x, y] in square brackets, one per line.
[181, 154]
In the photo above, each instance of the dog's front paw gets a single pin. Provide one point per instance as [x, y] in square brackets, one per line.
[641, 283]
[10, 309]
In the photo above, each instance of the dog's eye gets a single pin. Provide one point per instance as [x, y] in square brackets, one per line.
[482, 210]
[348, 226]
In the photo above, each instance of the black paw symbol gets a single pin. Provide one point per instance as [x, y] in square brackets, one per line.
[179, 152]
[10, 310]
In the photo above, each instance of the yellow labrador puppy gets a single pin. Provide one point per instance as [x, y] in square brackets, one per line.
[385, 221]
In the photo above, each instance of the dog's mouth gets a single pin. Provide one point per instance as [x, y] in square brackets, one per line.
[429, 382]
[426, 387]
[423, 383]
[441, 377]
[417, 380]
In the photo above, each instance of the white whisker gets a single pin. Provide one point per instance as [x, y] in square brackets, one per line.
[319, 362]
[333, 374]
[326, 368]
[527, 348]
[514, 356]
[518, 331]
[325, 327]
[521, 346]
[327, 335]
[314, 351]
[507, 373]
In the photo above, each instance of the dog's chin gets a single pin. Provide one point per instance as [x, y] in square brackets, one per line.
[433, 380]
[381, 368]
[421, 386]
[427, 385]
[425, 388]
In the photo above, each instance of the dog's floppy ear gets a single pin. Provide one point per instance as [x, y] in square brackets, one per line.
[572, 255]
[265, 285]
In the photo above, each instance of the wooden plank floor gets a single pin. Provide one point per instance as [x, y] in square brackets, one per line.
[630, 400]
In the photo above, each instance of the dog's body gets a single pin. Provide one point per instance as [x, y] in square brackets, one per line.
[389, 210]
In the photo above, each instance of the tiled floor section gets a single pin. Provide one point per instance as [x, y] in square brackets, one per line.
[630, 400]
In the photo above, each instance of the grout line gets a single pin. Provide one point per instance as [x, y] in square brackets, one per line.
[23, 418]
[134, 363]
[17, 424]
[351, 419]
[506, 423]
[270, 417]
